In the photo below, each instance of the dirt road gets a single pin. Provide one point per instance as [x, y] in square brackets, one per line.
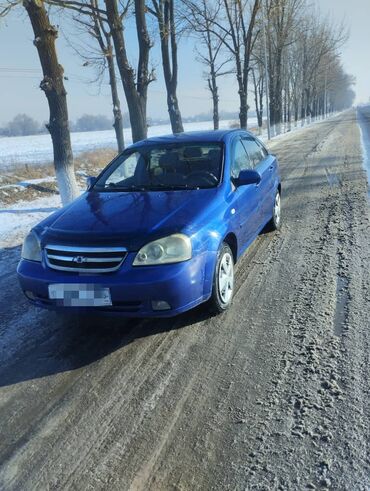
[274, 394]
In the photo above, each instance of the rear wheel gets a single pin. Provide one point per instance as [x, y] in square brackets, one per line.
[223, 281]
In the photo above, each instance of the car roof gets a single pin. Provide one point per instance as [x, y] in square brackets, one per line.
[193, 137]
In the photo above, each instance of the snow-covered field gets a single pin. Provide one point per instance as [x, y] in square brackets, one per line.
[37, 149]
[16, 220]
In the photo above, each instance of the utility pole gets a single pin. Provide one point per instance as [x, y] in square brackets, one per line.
[266, 72]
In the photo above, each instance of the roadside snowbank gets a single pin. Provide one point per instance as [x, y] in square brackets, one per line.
[364, 125]
[15, 221]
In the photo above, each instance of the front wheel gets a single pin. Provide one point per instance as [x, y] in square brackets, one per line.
[223, 281]
[275, 222]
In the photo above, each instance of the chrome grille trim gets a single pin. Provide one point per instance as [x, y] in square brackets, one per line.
[87, 259]
[84, 259]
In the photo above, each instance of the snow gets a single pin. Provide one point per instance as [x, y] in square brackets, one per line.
[37, 149]
[365, 141]
[21, 185]
[40, 180]
[17, 220]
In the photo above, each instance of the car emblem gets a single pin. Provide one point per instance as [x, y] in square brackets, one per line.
[79, 259]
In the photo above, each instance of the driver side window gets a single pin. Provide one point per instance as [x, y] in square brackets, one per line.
[125, 170]
[240, 160]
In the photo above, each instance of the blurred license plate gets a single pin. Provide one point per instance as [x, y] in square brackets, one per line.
[80, 295]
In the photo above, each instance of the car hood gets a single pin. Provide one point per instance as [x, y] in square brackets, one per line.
[128, 219]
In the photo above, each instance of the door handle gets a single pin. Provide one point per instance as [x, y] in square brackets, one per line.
[271, 167]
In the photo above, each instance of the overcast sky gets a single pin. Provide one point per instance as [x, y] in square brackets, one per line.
[20, 72]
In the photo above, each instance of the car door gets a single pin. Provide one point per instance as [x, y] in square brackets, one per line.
[262, 162]
[245, 198]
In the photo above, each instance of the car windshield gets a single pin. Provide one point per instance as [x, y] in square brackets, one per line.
[164, 167]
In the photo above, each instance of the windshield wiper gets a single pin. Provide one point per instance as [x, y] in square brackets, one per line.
[116, 187]
[150, 187]
[172, 187]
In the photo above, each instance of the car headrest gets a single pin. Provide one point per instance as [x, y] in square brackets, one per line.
[170, 159]
[214, 154]
[192, 152]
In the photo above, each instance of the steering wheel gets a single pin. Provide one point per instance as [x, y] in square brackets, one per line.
[204, 175]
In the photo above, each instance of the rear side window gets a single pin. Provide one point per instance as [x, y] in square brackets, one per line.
[240, 161]
[263, 148]
[255, 151]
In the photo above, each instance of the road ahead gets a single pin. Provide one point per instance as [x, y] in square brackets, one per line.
[273, 394]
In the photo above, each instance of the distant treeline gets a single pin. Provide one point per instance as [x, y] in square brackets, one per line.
[24, 125]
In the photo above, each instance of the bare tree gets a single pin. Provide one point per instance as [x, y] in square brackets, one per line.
[102, 57]
[135, 84]
[164, 12]
[299, 41]
[259, 90]
[52, 85]
[239, 41]
[282, 30]
[200, 17]
[234, 27]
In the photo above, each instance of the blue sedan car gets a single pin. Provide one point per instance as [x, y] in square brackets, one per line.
[159, 230]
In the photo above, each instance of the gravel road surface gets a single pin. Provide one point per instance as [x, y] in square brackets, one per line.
[273, 394]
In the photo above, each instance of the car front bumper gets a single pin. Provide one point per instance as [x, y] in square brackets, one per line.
[132, 289]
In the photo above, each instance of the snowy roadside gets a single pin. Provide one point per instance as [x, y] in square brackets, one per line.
[16, 220]
[363, 120]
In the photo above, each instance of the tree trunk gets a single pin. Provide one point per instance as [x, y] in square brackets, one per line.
[296, 111]
[212, 84]
[174, 112]
[247, 42]
[164, 11]
[104, 38]
[118, 123]
[243, 113]
[257, 101]
[212, 81]
[260, 120]
[53, 86]
[278, 93]
[135, 91]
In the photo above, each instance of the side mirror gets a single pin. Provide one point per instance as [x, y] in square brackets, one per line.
[248, 176]
[90, 181]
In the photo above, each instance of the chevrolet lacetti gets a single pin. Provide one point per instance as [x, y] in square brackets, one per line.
[159, 230]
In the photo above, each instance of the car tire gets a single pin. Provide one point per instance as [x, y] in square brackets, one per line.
[223, 281]
[275, 222]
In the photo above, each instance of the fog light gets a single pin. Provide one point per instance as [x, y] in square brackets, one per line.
[160, 305]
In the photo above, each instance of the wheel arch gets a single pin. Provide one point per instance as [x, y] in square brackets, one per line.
[232, 242]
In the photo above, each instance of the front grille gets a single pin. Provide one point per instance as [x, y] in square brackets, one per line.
[85, 259]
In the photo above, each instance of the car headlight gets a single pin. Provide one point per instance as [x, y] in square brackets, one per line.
[173, 249]
[31, 248]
